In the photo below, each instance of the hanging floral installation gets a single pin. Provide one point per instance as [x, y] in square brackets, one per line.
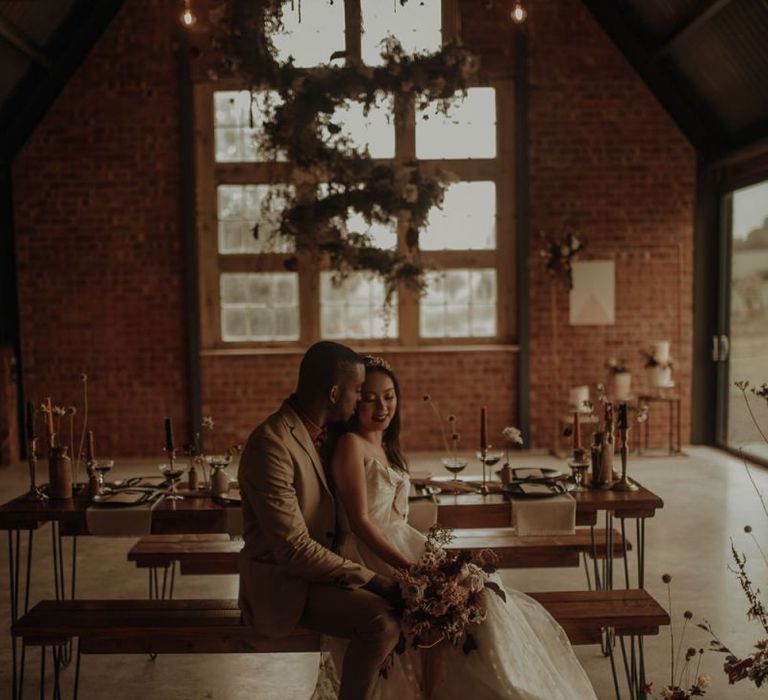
[298, 126]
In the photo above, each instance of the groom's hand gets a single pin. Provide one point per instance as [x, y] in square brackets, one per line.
[387, 588]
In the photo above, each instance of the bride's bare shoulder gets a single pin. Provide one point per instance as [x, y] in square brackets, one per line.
[349, 442]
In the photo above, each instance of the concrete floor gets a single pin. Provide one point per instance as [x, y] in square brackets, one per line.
[708, 500]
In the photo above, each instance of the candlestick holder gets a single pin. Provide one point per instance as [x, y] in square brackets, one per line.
[624, 484]
[34, 493]
[484, 484]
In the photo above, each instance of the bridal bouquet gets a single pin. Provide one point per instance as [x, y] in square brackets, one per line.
[443, 593]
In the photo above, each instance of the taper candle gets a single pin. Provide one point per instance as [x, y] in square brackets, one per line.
[168, 435]
[30, 423]
[89, 447]
[576, 430]
[623, 421]
[483, 429]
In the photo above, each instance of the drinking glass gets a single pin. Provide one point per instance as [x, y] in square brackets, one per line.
[101, 469]
[491, 457]
[454, 465]
[578, 470]
[172, 473]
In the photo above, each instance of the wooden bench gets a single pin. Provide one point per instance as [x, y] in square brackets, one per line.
[214, 626]
[217, 554]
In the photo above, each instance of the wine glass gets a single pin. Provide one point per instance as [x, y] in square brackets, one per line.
[454, 465]
[172, 472]
[578, 470]
[101, 469]
[491, 457]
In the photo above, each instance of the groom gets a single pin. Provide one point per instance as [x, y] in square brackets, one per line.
[289, 575]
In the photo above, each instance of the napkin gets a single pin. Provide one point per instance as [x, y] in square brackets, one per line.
[544, 516]
[129, 521]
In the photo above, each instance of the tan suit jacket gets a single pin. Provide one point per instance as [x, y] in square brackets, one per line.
[289, 526]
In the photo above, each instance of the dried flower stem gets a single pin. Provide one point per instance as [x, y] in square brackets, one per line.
[752, 415]
[440, 423]
[754, 485]
[679, 649]
[757, 544]
[671, 637]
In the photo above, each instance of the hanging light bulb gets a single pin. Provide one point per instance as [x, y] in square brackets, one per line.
[188, 18]
[518, 13]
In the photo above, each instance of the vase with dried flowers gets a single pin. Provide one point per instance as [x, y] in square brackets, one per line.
[452, 462]
[512, 438]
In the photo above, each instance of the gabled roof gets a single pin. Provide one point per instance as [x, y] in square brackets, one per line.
[41, 44]
[706, 61]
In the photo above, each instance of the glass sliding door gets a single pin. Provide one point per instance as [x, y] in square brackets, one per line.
[744, 348]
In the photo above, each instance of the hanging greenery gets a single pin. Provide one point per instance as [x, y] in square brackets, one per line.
[299, 127]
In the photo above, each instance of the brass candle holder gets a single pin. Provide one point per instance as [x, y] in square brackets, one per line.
[484, 485]
[624, 484]
[34, 493]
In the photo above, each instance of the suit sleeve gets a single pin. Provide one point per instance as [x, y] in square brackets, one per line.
[266, 482]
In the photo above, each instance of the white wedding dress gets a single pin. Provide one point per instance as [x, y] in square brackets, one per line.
[522, 652]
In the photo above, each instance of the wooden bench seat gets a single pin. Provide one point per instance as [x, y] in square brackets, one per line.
[214, 626]
[217, 554]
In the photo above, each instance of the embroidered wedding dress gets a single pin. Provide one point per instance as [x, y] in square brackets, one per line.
[522, 654]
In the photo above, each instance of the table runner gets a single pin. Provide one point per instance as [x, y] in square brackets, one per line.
[129, 521]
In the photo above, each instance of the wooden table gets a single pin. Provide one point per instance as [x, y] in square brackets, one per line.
[674, 434]
[204, 515]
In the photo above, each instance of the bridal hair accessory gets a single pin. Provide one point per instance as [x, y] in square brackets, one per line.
[373, 362]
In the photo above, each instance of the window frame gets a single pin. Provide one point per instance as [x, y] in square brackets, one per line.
[210, 174]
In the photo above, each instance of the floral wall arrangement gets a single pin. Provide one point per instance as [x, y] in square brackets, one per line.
[299, 126]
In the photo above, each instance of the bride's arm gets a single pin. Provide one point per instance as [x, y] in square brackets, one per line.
[349, 476]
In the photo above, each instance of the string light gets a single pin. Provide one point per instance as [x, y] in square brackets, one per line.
[518, 13]
[188, 18]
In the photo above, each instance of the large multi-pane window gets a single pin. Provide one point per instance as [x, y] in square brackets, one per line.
[251, 295]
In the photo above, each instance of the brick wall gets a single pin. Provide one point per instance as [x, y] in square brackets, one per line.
[97, 197]
[97, 207]
[606, 160]
[240, 390]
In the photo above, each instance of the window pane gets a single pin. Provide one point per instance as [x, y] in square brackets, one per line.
[459, 304]
[354, 309]
[239, 211]
[312, 40]
[467, 220]
[468, 131]
[382, 235]
[374, 131]
[235, 139]
[416, 24]
[259, 306]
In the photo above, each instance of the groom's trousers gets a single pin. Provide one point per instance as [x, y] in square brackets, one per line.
[366, 620]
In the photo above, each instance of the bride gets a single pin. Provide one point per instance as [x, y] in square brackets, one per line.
[522, 653]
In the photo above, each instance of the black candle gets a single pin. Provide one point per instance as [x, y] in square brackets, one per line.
[30, 421]
[168, 435]
[623, 421]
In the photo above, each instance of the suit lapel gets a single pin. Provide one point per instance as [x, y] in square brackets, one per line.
[301, 435]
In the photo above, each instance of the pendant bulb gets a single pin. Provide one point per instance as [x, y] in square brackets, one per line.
[188, 18]
[518, 13]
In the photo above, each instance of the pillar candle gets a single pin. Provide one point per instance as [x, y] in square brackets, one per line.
[168, 435]
[576, 430]
[483, 429]
[30, 421]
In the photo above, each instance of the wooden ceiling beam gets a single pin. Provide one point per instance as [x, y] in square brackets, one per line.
[703, 14]
[692, 117]
[15, 38]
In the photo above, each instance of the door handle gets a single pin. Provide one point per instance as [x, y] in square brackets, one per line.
[715, 348]
[725, 348]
